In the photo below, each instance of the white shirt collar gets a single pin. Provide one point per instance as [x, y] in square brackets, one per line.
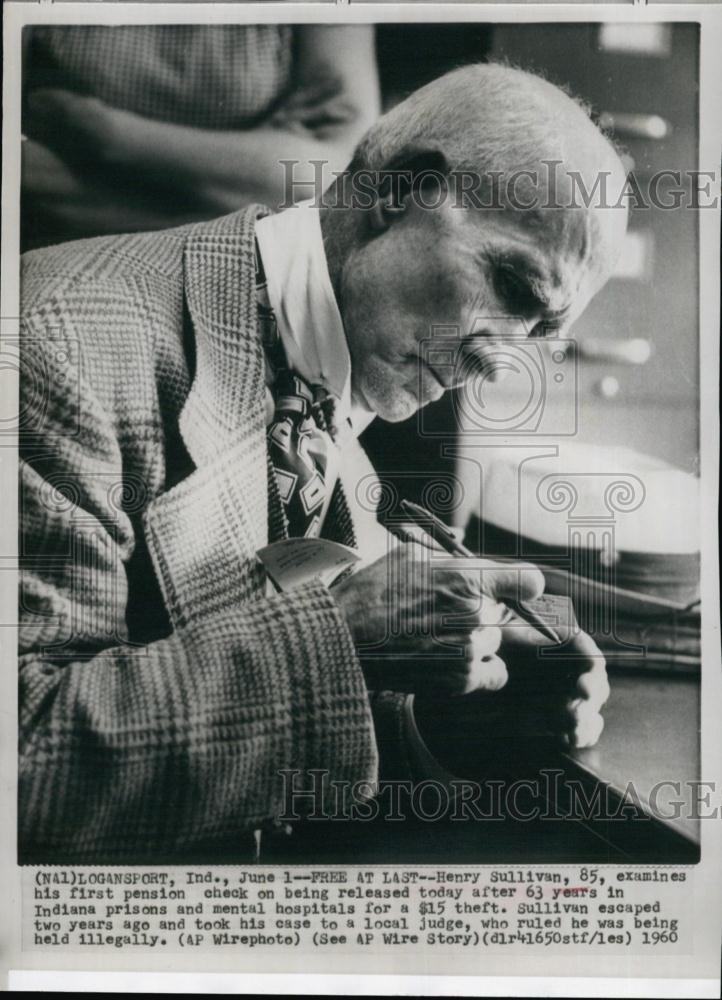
[302, 298]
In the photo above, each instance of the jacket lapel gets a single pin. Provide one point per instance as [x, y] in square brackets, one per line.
[225, 408]
[226, 400]
[211, 524]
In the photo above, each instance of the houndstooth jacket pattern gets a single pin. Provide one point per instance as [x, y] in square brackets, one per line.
[161, 690]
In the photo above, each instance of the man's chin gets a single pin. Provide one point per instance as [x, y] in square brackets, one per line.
[397, 410]
[393, 406]
[395, 402]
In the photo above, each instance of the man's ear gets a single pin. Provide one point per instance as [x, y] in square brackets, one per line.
[413, 170]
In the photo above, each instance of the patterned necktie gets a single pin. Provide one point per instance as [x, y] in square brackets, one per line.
[298, 448]
[298, 436]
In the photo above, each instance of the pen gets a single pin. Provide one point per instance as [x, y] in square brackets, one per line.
[447, 540]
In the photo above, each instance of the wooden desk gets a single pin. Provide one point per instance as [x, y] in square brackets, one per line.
[651, 739]
[651, 736]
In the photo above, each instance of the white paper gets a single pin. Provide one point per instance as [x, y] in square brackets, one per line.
[295, 561]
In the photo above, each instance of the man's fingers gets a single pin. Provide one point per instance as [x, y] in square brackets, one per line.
[485, 641]
[513, 581]
[586, 728]
[581, 720]
[479, 670]
[466, 614]
[579, 643]
[488, 674]
[593, 686]
[483, 673]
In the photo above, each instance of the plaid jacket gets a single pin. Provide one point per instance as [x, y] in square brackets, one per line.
[161, 691]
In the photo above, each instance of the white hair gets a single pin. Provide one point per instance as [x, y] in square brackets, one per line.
[484, 117]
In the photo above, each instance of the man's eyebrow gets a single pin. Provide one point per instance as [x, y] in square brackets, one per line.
[528, 272]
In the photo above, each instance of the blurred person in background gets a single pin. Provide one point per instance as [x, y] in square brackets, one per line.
[140, 127]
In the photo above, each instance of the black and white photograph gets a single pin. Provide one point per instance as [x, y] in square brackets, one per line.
[366, 473]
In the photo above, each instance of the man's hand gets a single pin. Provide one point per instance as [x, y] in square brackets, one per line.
[563, 693]
[547, 697]
[427, 623]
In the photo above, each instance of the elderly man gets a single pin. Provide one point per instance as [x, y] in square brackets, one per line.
[192, 394]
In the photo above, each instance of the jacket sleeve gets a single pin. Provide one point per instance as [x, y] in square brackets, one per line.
[132, 752]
